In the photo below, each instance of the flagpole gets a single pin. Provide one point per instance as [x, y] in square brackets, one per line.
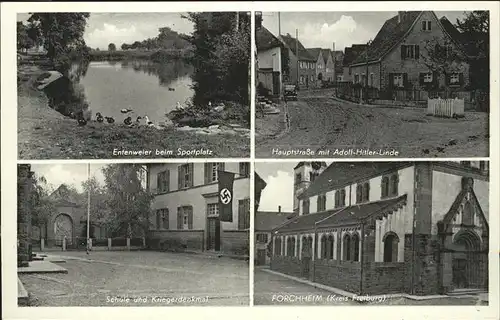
[88, 209]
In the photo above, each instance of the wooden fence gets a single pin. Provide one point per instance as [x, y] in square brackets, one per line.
[445, 107]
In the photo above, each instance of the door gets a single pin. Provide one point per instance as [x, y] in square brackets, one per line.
[261, 257]
[213, 238]
[460, 273]
[276, 83]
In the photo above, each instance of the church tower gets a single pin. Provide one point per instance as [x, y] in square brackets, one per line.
[304, 174]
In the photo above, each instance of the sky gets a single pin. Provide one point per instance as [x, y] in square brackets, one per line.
[104, 28]
[69, 174]
[279, 188]
[322, 29]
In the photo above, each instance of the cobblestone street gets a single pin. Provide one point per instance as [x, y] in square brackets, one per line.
[157, 278]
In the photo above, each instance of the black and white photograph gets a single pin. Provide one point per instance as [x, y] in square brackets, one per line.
[371, 233]
[133, 85]
[375, 84]
[153, 234]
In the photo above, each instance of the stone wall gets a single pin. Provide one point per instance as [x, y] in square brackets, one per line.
[235, 242]
[345, 275]
[384, 277]
[176, 240]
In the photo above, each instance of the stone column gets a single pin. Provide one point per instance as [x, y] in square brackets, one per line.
[128, 244]
[64, 244]
[300, 246]
[109, 243]
[42, 244]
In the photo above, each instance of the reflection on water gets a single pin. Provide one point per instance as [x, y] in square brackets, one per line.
[107, 87]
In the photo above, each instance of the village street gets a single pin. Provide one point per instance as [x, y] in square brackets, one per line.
[159, 278]
[321, 122]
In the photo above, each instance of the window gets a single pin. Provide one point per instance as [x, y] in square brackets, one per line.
[391, 241]
[340, 198]
[426, 25]
[243, 214]
[363, 78]
[162, 181]
[298, 178]
[428, 77]
[277, 246]
[321, 203]
[394, 185]
[162, 219]
[331, 246]
[324, 247]
[385, 187]
[185, 218]
[290, 246]
[185, 176]
[397, 80]
[356, 78]
[366, 192]
[305, 206]
[244, 169]
[468, 214]
[454, 78]
[158, 219]
[347, 248]
[410, 51]
[301, 79]
[355, 247]
[313, 176]
[372, 78]
[212, 171]
[212, 210]
[359, 193]
[262, 237]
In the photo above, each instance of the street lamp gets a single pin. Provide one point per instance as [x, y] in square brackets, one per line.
[366, 73]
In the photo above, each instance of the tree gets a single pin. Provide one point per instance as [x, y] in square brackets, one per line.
[128, 203]
[24, 42]
[42, 206]
[125, 46]
[111, 47]
[61, 34]
[98, 198]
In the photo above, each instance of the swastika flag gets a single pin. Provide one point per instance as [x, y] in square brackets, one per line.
[226, 180]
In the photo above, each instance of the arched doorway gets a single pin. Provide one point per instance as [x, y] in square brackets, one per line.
[63, 227]
[466, 258]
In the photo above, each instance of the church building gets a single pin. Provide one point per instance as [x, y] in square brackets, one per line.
[419, 228]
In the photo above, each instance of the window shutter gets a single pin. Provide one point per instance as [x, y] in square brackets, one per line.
[167, 180]
[247, 213]
[191, 174]
[179, 177]
[179, 218]
[158, 183]
[423, 25]
[461, 78]
[429, 25]
[166, 224]
[241, 218]
[417, 52]
[190, 218]
[405, 79]
[222, 166]
[421, 78]
[207, 172]
[403, 52]
[158, 216]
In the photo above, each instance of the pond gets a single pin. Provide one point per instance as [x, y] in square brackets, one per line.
[145, 87]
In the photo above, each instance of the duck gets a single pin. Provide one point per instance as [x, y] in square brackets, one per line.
[148, 122]
[80, 119]
[99, 117]
[128, 121]
[178, 106]
[138, 120]
[171, 89]
[125, 110]
[110, 119]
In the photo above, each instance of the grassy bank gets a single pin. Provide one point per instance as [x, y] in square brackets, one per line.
[153, 55]
[44, 133]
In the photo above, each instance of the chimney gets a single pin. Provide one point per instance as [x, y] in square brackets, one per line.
[400, 16]
[279, 209]
[333, 47]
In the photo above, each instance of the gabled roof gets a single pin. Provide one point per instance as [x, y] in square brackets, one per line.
[292, 43]
[314, 52]
[267, 220]
[354, 214]
[265, 40]
[456, 204]
[340, 174]
[389, 35]
[466, 42]
[327, 53]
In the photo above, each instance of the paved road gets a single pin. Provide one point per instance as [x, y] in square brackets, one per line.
[157, 278]
[272, 289]
[323, 123]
